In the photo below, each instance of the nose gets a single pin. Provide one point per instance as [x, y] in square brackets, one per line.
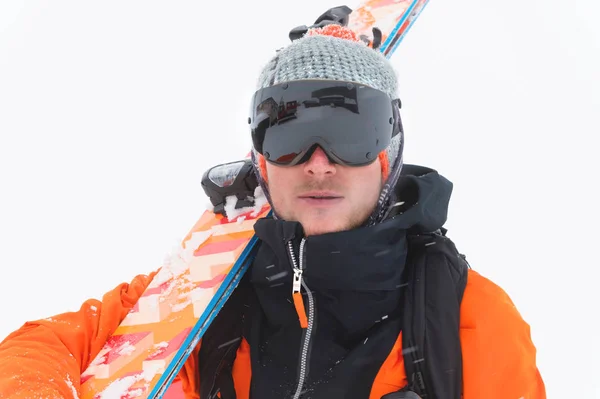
[319, 164]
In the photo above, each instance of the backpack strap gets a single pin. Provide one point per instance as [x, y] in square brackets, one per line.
[221, 342]
[437, 277]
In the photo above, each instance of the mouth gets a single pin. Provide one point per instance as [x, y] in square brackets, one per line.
[321, 195]
[320, 198]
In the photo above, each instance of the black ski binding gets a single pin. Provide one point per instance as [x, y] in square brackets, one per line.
[377, 38]
[233, 178]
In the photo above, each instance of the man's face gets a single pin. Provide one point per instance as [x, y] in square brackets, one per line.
[324, 197]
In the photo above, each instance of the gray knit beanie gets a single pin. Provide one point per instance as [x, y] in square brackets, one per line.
[319, 55]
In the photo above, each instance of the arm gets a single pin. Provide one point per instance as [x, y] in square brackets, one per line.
[45, 358]
[499, 358]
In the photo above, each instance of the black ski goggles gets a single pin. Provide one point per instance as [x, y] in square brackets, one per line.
[351, 122]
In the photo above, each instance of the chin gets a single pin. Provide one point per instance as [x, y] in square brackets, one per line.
[324, 226]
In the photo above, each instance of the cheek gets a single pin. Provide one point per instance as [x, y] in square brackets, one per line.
[371, 182]
[267, 171]
[276, 181]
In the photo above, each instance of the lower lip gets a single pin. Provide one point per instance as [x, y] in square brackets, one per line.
[320, 201]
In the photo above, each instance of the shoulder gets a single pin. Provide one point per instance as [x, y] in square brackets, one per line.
[487, 304]
[498, 353]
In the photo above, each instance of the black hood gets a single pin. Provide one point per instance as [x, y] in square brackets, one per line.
[421, 199]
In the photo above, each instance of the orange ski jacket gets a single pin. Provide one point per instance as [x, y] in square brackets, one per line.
[45, 358]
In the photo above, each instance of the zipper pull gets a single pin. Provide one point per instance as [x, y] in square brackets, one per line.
[297, 297]
[297, 284]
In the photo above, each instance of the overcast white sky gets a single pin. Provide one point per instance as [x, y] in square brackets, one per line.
[111, 111]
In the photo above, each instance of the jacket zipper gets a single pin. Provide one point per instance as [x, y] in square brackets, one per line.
[305, 322]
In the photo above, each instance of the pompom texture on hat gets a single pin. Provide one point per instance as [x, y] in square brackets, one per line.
[335, 30]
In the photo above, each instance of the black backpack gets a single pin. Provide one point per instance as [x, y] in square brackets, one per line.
[436, 280]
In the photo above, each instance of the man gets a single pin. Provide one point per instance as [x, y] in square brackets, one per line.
[330, 307]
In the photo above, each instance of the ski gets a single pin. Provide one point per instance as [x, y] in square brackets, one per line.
[403, 29]
[151, 344]
[389, 17]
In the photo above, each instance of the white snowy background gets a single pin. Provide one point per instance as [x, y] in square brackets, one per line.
[111, 111]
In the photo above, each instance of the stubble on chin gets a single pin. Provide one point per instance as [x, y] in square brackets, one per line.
[323, 222]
